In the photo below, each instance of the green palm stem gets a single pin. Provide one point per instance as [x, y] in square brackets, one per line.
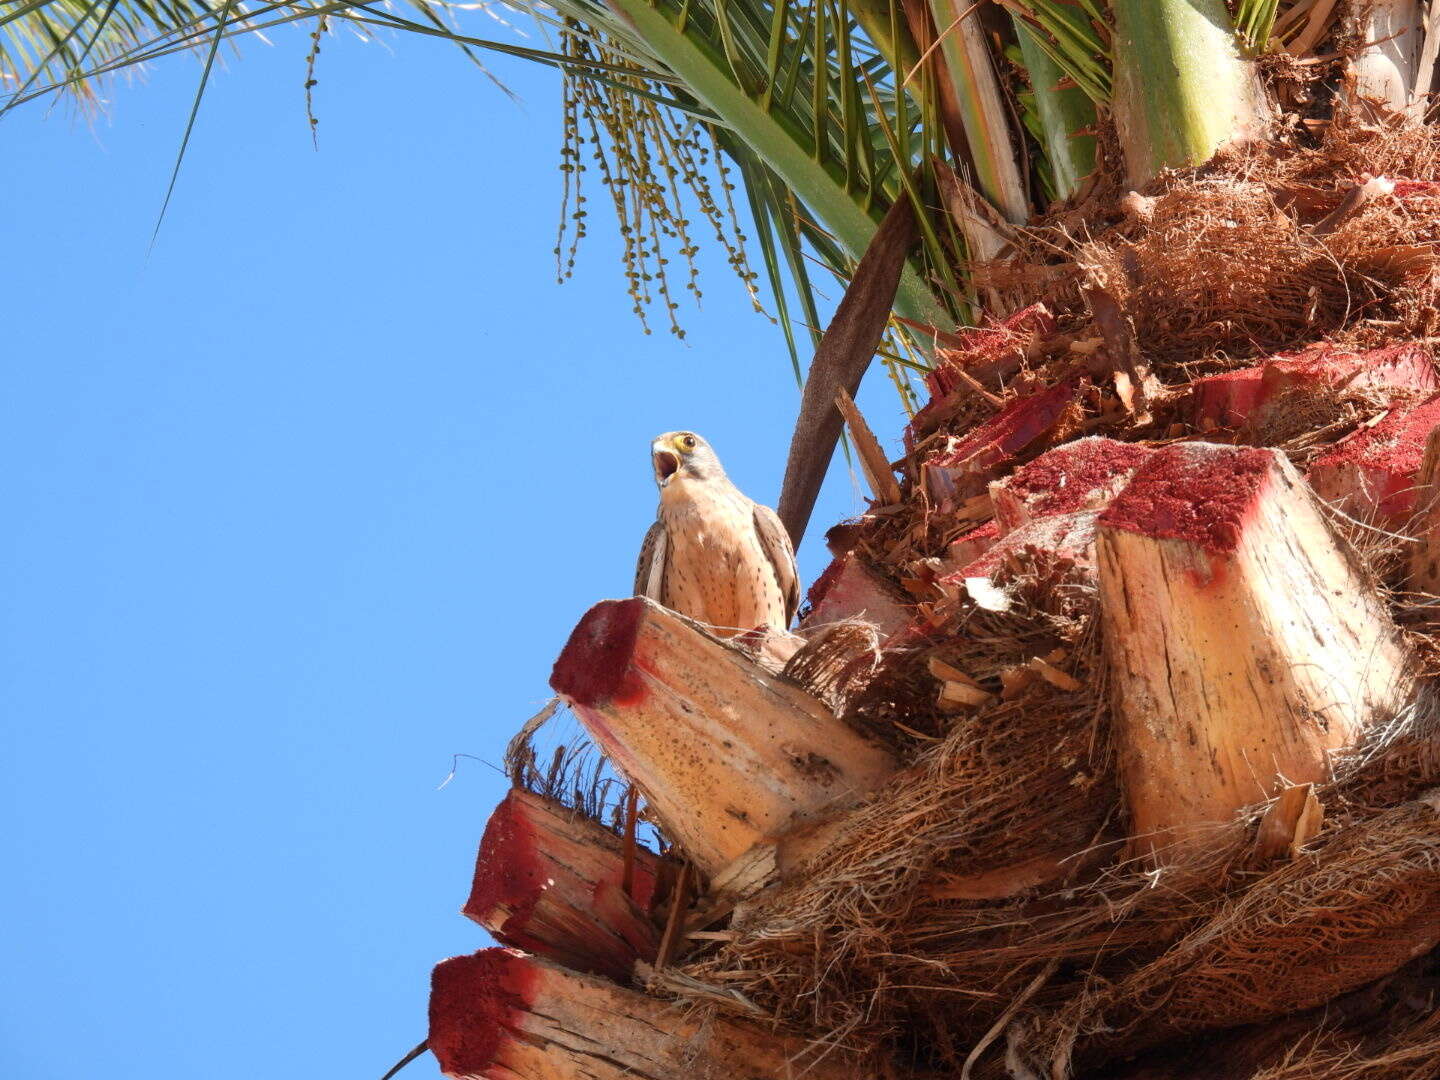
[1182, 89]
[1067, 115]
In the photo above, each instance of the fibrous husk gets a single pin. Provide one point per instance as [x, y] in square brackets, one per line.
[985, 893]
[1360, 903]
[859, 939]
[1237, 259]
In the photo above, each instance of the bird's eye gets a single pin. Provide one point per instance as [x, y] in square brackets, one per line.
[686, 442]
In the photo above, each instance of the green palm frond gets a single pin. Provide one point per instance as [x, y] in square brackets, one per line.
[47, 41]
[1255, 21]
[1075, 34]
[1064, 115]
[805, 104]
[824, 113]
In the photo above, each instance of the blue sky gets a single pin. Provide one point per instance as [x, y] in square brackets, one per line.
[298, 505]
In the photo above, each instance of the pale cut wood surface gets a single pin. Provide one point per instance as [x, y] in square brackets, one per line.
[501, 1015]
[726, 753]
[1387, 70]
[1233, 669]
[873, 461]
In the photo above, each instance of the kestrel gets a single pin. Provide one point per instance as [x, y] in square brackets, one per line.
[714, 554]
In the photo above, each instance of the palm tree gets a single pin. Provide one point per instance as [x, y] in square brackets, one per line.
[1153, 708]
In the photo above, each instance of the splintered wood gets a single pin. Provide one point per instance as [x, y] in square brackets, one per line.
[873, 461]
[1252, 400]
[501, 1015]
[1050, 506]
[550, 880]
[964, 466]
[1243, 645]
[726, 753]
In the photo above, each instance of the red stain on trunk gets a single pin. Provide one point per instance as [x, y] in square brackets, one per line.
[989, 353]
[1237, 398]
[1226, 400]
[1372, 472]
[473, 1001]
[508, 873]
[1076, 476]
[1196, 492]
[970, 546]
[1063, 536]
[822, 585]
[852, 588]
[964, 467]
[594, 668]
[522, 858]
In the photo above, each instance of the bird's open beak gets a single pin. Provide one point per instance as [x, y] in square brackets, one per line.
[667, 464]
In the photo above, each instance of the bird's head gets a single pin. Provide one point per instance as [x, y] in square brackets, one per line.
[683, 453]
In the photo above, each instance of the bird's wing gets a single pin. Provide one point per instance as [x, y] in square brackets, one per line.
[650, 570]
[775, 542]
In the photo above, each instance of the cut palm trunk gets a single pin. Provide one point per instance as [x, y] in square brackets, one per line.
[552, 881]
[1244, 647]
[1261, 399]
[499, 1014]
[1049, 508]
[798, 158]
[852, 588]
[964, 467]
[727, 754]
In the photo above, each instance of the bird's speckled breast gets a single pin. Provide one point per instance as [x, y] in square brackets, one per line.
[717, 570]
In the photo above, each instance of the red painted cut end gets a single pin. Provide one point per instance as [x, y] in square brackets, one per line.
[969, 547]
[849, 589]
[1227, 399]
[1382, 460]
[825, 582]
[1200, 493]
[472, 1002]
[996, 348]
[992, 351]
[1011, 430]
[509, 876]
[594, 667]
[1416, 189]
[1072, 476]
[1406, 366]
[1234, 398]
[1067, 536]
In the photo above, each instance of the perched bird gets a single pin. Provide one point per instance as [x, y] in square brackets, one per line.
[714, 554]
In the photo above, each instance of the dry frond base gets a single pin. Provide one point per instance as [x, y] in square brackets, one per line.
[986, 896]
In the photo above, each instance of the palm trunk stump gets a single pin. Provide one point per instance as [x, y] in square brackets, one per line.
[501, 1015]
[553, 882]
[1244, 647]
[727, 754]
